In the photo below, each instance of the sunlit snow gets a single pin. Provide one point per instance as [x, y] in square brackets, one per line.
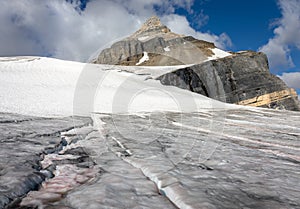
[143, 59]
[143, 38]
[52, 87]
[167, 49]
[218, 53]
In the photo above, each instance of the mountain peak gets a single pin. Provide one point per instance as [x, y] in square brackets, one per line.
[152, 22]
[152, 26]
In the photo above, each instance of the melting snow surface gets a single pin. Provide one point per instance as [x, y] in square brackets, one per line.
[143, 59]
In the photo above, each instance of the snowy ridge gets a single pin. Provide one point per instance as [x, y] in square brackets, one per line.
[218, 53]
[46, 87]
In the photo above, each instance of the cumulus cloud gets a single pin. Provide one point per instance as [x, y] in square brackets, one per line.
[55, 28]
[180, 25]
[291, 79]
[150, 7]
[59, 29]
[286, 35]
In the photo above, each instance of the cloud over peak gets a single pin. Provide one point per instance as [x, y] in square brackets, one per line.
[60, 29]
[179, 24]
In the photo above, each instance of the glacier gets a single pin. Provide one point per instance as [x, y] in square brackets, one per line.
[76, 135]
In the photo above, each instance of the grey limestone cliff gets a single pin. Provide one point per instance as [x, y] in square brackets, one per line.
[242, 78]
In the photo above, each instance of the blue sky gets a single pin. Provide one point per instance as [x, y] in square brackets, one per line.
[75, 29]
[249, 24]
[248, 30]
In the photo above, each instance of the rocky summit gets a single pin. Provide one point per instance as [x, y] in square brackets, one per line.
[162, 46]
[235, 77]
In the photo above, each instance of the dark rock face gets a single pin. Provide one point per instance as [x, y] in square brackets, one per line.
[235, 79]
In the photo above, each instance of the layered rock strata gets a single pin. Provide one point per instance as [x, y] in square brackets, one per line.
[242, 78]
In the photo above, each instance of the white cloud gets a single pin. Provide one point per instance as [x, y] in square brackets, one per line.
[55, 28]
[180, 25]
[146, 8]
[291, 79]
[286, 35]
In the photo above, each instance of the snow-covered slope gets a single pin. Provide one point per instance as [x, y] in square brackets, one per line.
[208, 159]
[51, 87]
[218, 53]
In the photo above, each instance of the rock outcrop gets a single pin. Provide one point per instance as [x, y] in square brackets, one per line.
[163, 46]
[241, 78]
